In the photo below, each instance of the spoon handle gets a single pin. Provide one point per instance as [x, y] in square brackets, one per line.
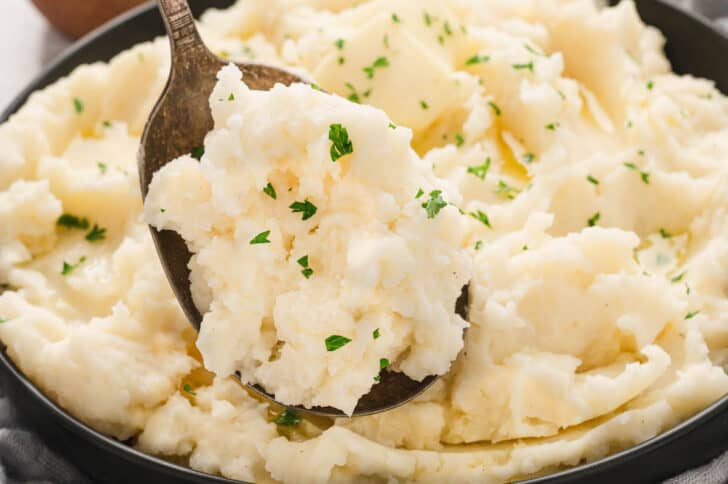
[183, 35]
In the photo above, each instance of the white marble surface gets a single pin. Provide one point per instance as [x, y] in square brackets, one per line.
[27, 44]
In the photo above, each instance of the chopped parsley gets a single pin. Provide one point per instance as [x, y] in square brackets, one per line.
[106, 124]
[315, 86]
[385, 41]
[650, 85]
[419, 193]
[288, 418]
[231, 97]
[482, 217]
[392, 126]
[553, 126]
[78, 105]
[396, 19]
[96, 234]
[102, 167]
[3, 320]
[162, 210]
[270, 191]
[533, 51]
[525, 66]
[645, 177]
[665, 234]
[68, 268]
[306, 208]
[340, 143]
[434, 204]
[479, 245]
[424, 105]
[631, 166]
[446, 28]
[678, 278]
[592, 180]
[261, 238]
[188, 389]
[480, 170]
[594, 220]
[342, 61]
[354, 95]
[377, 378]
[334, 342]
[197, 152]
[691, 314]
[427, 18]
[528, 158]
[477, 59]
[383, 363]
[339, 43]
[376, 334]
[379, 63]
[495, 108]
[72, 222]
[524, 248]
[459, 140]
[507, 191]
[307, 271]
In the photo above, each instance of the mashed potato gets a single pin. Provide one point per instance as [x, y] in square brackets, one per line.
[594, 187]
[319, 262]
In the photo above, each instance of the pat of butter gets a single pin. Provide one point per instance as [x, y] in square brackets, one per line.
[416, 87]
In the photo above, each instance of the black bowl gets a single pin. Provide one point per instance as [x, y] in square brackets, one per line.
[694, 46]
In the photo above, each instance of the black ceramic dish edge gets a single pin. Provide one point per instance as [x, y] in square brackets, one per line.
[690, 443]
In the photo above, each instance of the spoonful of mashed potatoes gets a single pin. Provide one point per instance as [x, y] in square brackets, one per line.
[318, 255]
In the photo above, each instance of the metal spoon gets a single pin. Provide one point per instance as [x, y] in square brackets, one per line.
[178, 123]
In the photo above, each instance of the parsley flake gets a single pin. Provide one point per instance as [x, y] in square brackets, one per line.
[479, 245]
[334, 342]
[392, 126]
[102, 167]
[270, 191]
[188, 389]
[650, 85]
[482, 217]
[72, 222]
[678, 278]
[525, 66]
[691, 314]
[78, 105]
[96, 234]
[665, 234]
[261, 238]
[307, 271]
[340, 143]
[645, 177]
[396, 19]
[495, 108]
[231, 97]
[528, 158]
[376, 334]
[631, 166]
[477, 59]
[434, 204]
[377, 378]
[553, 126]
[306, 208]
[459, 140]
[288, 418]
[480, 170]
[427, 18]
[197, 152]
[339, 43]
[424, 105]
[507, 191]
[383, 363]
[106, 124]
[533, 51]
[594, 220]
[68, 268]
[420, 192]
[379, 63]
[592, 180]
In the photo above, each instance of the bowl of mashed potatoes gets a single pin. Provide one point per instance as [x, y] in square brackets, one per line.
[545, 151]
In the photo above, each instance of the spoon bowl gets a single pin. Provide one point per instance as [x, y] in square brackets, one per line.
[177, 125]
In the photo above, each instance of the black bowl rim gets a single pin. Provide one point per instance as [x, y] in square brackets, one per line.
[149, 461]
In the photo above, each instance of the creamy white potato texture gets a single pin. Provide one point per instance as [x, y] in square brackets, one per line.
[324, 248]
[594, 189]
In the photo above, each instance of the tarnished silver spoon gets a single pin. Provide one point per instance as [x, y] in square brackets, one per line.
[178, 124]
